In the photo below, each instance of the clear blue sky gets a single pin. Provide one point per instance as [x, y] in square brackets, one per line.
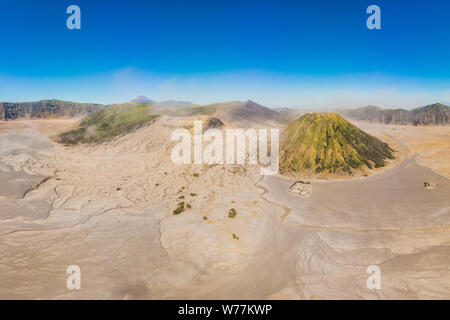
[281, 53]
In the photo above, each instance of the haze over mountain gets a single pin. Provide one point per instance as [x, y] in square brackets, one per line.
[326, 142]
[173, 103]
[120, 119]
[108, 123]
[142, 99]
[233, 113]
[165, 103]
[244, 112]
[433, 114]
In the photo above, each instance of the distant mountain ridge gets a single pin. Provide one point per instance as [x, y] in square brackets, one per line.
[46, 109]
[60, 109]
[248, 111]
[433, 114]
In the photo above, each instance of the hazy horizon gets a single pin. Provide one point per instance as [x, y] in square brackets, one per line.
[279, 54]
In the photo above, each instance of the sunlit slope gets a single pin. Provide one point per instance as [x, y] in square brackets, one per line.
[326, 142]
[109, 123]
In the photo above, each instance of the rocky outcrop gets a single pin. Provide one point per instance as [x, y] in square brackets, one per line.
[433, 114]
[46, 109]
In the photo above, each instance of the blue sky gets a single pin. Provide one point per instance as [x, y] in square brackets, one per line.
[308, 54]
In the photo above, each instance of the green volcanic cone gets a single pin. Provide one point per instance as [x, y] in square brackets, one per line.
[327, 143]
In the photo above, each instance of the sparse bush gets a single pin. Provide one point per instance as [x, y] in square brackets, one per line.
[232, 213]
[179, 209]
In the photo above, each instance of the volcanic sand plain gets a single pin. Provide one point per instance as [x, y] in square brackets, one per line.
[109, 209]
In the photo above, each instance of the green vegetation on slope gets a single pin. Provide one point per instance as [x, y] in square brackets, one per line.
[326, 142]
[184, 110]
[109, 123]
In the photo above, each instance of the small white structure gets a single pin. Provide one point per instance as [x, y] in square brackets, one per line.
[429, 186]
[302, 188]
